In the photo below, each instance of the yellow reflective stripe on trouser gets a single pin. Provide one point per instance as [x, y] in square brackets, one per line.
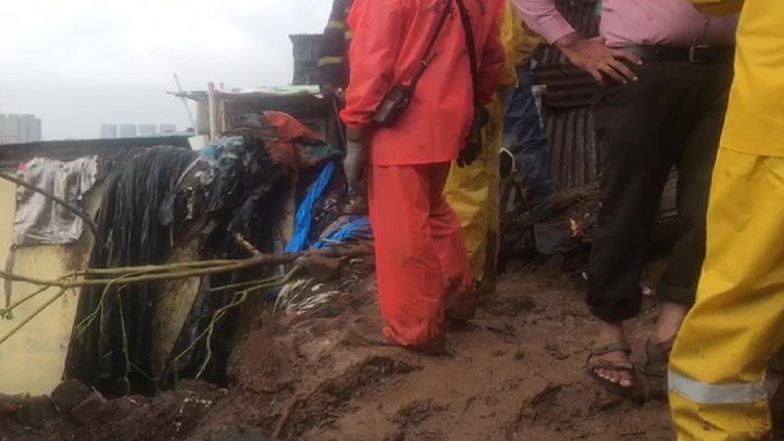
[737, 393]
[734, 328]
[328, 61]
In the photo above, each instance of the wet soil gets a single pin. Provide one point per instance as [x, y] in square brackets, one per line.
[514, 373]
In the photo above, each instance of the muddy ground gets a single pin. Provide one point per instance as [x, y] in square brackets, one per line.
[515, 374]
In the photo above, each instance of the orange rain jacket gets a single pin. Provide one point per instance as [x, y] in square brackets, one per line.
[389, 40]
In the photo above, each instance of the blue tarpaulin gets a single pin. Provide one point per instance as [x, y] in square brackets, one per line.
[304, 219]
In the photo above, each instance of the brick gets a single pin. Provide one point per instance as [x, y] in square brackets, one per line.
[69, 394]
[89, 410]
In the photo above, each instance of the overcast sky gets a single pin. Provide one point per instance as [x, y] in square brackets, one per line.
[79, 63]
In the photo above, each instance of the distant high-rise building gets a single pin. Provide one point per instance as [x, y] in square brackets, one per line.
[19, 128]
[127, 130]
[148, 130]
[167, 128]
[108, 131]
[30, 128]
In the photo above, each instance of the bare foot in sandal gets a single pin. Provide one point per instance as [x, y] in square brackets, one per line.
[657, 351]
[619, 369]
[669, 321]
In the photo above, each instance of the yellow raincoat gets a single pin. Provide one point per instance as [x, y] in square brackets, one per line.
[718, 365]
[473, 191]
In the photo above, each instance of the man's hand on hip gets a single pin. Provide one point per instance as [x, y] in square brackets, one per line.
[594, 57]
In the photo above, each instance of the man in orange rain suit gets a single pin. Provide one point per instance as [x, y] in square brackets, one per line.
[421, 260]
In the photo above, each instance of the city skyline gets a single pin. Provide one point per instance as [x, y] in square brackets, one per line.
[19, 128]
[132, 130]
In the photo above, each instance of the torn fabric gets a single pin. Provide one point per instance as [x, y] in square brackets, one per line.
[38, 219]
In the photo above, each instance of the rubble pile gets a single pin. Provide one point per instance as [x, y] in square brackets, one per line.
[514, 374]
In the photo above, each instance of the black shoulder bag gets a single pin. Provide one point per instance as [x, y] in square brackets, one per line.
[399, 97]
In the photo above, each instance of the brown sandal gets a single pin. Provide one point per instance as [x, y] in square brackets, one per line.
[594, 363]
[654, 370]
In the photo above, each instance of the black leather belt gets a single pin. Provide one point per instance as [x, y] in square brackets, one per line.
[693, 54]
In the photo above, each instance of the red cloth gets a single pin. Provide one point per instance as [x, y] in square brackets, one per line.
[389, 42]
[283, 147]
[421, 261]
[286, 139]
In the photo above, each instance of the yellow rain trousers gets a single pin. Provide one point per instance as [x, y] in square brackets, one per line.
[717, 369]
[473, 191]
[719, 362]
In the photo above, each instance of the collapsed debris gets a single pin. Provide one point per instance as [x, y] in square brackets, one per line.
[305, 380]
[285, 352]
[565, 222]
[231, 198]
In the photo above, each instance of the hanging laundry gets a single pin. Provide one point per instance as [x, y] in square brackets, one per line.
[39, 220]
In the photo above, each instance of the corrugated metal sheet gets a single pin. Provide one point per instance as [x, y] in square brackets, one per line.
[568, 86]
[575, 157]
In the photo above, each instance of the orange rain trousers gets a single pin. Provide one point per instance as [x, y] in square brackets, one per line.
[421, 260]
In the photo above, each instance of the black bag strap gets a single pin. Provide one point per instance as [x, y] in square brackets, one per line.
[428, 56]
[471, 45]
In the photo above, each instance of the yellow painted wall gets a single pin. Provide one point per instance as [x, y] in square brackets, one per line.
[32, 361]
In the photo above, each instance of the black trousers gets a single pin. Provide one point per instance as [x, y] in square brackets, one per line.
[671, 117]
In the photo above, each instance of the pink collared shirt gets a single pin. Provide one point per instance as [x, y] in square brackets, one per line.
[636, 22]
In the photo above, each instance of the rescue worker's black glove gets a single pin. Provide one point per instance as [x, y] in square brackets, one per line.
[469, 154]
[355, 165]
[473, 143]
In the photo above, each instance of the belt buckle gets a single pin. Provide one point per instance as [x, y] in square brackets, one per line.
[695, 53]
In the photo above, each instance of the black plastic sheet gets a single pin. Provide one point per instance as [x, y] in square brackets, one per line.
[245, 195]
[113, 353]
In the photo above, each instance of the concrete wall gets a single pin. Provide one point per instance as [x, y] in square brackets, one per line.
[32, 361]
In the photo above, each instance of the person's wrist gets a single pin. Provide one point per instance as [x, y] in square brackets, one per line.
[569, 41]
[356, 134]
